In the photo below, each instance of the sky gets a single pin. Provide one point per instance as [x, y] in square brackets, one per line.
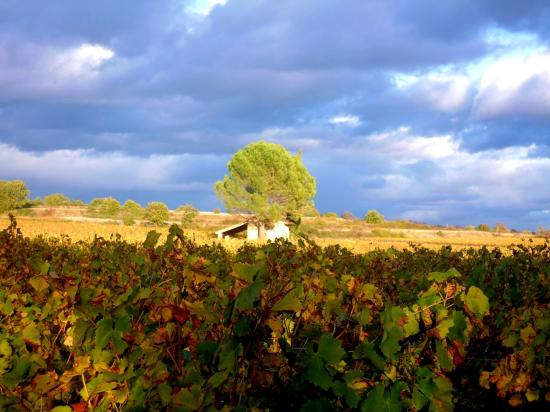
[434, 111]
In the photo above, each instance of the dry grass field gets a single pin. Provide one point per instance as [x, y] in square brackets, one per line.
[356, 236]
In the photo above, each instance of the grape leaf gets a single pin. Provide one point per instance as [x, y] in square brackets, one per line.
[477, 301]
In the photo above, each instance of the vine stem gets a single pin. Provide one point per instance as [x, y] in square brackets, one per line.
[85, 387]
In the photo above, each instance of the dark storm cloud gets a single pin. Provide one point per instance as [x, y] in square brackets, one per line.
[127, 80]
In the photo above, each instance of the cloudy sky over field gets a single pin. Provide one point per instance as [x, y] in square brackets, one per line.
[435, 111]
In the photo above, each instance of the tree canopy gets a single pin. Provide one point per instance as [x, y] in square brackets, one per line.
[57, 199]
[374, 216]
[264, 179]
[157, 213]
[13, 194]
[103, 207]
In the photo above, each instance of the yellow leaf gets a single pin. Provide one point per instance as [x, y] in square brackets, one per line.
[532, 395]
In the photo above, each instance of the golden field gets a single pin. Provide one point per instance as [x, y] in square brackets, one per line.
[356, 241]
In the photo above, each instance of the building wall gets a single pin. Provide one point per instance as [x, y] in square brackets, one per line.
[251, 232]
[280, 230]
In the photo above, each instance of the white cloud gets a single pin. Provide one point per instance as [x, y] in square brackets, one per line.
[108, 171]
[289, 137]
[512, 80]
[516, 84]
[345, 120]
[492, 178]
[204, 7]
[35, 70]
[401, 147]
[442, 90]
[81, 61]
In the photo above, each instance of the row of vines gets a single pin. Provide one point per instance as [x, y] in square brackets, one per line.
[114, 326]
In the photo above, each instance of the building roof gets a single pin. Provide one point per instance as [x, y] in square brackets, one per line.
[239, 227]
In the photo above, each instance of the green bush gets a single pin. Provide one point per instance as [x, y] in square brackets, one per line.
[13, 195]
[131, 210]
[187, 213]
[501, 228]
[331, 215]
[37, 201]
[374, 216]
[106, 207]
[157, 213]
[483, 227]
[57, 199]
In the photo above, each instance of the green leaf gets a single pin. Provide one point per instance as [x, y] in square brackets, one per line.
[443, 276]
[390, 343]
[411, 326]
[245, 271]
[39, 283]
[442, 399]
[31, 334]
[317, 405]
[103, 332]
[151, 239]
[249, 295]
[330, 349]
[165, 393]
[380, 400]
[477, 301]
[511, 340]
[289, 302]
[44, 267]
[22, 368]
[459, 329]
[317, 374]
[122, 324]
[443, 327]
[367, 351]
[340, 389]
[243, 327]
[61, 409]
[418, 398]
[443, 357]
[217, 379]
[228, 356]
[207, 351]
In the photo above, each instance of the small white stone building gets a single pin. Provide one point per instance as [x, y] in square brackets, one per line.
[279, 230]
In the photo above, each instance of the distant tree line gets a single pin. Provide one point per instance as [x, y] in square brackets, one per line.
[14, 197]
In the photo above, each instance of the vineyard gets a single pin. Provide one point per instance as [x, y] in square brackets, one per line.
[107, 325]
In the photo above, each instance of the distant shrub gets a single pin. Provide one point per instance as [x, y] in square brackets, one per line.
[483, 227]
[188, 213]
[104, 207]
[24, 212]
[37, 201]
[348, 216]
[216, 210]
[309, 211]
[157, 213]
[128, 221]
[57, 199]
[13, 194]
[541, 231]
[501, 228]
[374, 216]
[131, 210]
[331, 215]
[386, 233]
[469, 227]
